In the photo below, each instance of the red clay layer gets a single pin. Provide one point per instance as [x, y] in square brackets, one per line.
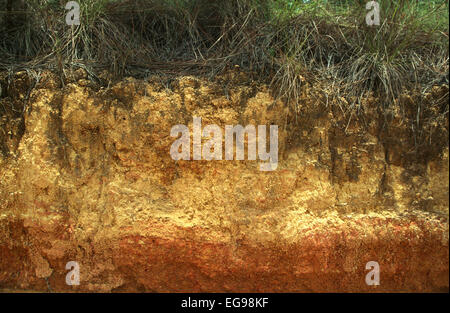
[412, 253]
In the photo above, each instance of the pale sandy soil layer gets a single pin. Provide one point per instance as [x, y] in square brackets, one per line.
[86, 175]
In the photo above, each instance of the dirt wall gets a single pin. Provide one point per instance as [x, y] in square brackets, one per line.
[86, 175]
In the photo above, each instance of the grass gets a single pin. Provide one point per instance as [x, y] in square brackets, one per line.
[279, 41]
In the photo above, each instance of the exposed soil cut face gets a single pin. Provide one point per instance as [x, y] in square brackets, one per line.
[86, 175]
